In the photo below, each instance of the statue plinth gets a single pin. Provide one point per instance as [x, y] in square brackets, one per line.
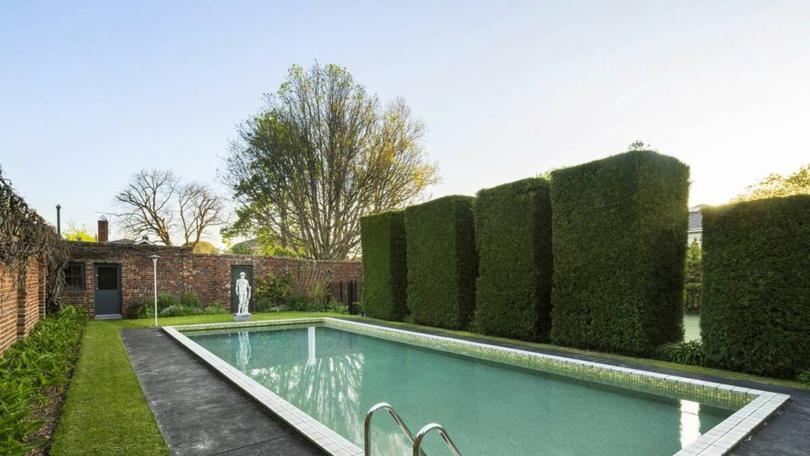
[242, 316]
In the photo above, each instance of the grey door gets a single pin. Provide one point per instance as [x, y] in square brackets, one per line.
[235, 270]
[108, 289]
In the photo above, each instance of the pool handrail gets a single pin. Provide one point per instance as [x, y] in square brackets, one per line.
[417, 442]
[397, 419]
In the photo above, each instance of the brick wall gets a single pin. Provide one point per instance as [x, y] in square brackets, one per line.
[181, 271]
[28, 299]
[8, 308]
[22, 302]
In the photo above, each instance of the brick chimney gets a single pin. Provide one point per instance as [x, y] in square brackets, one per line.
[103, 230]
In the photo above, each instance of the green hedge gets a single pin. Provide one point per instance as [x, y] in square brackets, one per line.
[756, 300]
[513, 236]
[385, 273]
[442, 262]
[619, 237]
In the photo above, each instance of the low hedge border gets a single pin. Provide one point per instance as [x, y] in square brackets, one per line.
[34, 373]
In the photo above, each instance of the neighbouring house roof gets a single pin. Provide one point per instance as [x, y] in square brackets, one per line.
[695, 220]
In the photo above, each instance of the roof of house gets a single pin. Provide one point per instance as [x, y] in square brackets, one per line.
[695, 220]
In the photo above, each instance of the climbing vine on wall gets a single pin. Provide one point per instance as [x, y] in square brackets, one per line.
[25, 235]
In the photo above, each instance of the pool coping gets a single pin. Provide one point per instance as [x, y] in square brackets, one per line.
[715, 442]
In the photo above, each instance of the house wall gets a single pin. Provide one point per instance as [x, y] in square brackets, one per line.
[22, 301]
[182, 271]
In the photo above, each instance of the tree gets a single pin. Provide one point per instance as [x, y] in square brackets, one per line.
[74, 233]
[155, 199]
[322, 154]
[203, 247]
[775, 185]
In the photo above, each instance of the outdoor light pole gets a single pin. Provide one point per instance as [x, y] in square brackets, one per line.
[154, 273]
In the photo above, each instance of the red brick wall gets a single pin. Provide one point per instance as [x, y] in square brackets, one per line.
[181, 271]
[28, 299]
[22, 302]
[8, 308]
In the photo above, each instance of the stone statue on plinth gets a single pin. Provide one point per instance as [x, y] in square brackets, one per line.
[243, 294]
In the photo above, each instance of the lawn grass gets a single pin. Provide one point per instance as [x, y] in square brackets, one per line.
[106, 413]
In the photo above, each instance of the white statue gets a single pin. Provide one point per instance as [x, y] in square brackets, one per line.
[243, 293]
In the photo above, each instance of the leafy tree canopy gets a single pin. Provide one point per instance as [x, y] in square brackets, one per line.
[776, 185]
[75, 233]
[323, 153]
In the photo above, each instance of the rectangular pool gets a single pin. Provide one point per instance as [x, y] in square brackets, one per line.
[492, 400]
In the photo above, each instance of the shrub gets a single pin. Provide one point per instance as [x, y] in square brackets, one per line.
[690, 352]
[756, 299]
[166, 300]
[442, 262]
[29, 368]
[693, 286]
[271, 291]
[619, 235]
[513, 236]
[178, 310]
[214, 308]
[804, 377]
[190, 300]
[385, 268]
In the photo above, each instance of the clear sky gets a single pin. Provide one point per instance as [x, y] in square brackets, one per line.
[92, 92]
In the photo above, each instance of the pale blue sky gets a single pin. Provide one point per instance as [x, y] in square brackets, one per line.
[90, 93]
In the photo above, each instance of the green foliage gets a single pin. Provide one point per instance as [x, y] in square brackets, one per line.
[204, 248]
[173, 306]
[690, 352]
[804, 377]
[619, 237]
[190, 300]
[74, 233]
[442, 261]
[385, 268]
[29, 368]
[693, 284]
[513, 236]
[271, 291]
[322, 154]
[776, 185]
[756, 300]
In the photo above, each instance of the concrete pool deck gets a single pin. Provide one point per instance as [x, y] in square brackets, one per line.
[200, 413]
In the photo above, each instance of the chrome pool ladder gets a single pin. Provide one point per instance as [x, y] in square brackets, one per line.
[416, 441]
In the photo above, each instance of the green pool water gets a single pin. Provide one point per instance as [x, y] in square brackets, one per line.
[488, 409]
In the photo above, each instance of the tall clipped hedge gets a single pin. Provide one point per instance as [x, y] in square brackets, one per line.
[619, 237]
[442, 262]
[755, 315]
[513, 236]
[385, 273]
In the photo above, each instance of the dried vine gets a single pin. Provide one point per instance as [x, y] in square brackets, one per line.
[25, 235]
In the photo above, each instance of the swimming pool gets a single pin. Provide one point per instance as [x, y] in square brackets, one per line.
[326, 373]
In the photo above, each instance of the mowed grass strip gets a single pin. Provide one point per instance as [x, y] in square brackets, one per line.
[105, 411]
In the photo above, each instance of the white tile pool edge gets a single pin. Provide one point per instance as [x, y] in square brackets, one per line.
[716, 442]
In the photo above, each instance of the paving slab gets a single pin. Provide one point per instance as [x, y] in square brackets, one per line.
[199, 412]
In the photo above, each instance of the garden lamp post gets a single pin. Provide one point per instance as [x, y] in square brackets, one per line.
[154, 274]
